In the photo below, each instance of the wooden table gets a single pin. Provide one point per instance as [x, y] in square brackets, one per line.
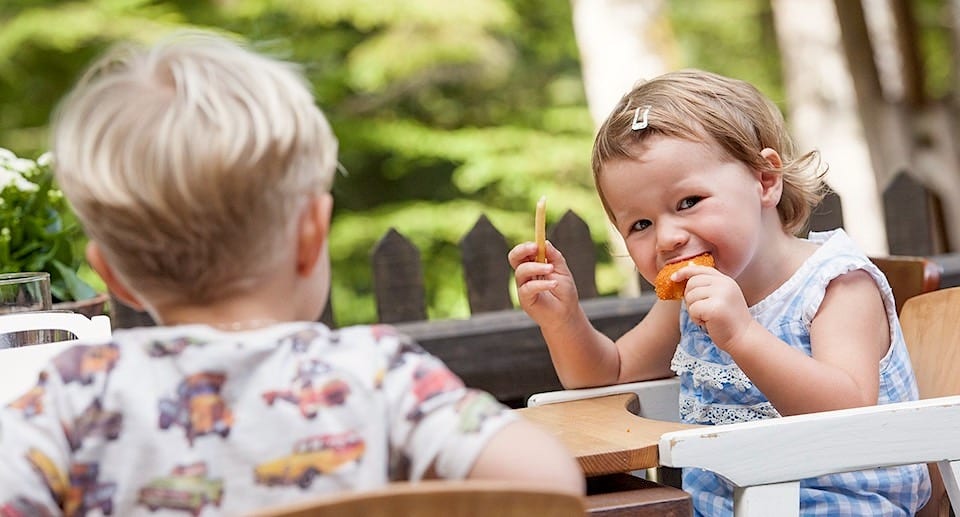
[604, 433]
[610, 440]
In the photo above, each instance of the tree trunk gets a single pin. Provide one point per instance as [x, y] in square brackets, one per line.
[620, 42]
[822, 110]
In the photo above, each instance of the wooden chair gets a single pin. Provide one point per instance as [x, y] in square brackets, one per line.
[931, 328]
[908, 276]
[20, 366]
[439, 499]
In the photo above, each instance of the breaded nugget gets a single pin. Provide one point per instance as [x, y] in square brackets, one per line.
[668, 289]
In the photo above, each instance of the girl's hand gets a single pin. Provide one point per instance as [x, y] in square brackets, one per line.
[715, 302]
[546, 291]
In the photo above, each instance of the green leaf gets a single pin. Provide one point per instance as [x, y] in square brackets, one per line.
[76, 288]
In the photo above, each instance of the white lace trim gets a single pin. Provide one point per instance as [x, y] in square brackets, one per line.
[692, 411]
[712, 374]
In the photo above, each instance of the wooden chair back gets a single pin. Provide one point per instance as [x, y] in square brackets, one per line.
[931, 328]
[439, 499]
[908, 276]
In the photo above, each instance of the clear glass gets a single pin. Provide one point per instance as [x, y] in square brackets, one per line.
[24, 292]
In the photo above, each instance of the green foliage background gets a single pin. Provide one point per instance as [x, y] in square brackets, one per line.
[444, 110]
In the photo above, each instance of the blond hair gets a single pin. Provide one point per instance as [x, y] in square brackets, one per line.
[187, 162]
[702, 106]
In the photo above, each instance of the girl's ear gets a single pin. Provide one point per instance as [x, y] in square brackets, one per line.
[771, 178]
[312, 232]
[114, 284]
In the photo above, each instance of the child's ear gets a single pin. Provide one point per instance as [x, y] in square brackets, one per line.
[312, 232]
[771, 178]
[114, 284]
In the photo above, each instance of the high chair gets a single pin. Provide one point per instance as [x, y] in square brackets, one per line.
[20, 366]
[439, 499]
[766, 459]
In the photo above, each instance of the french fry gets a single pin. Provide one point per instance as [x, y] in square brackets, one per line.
[540, 229]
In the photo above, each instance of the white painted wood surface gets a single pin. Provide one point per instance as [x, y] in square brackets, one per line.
[767, 500]
[784, 450]
[950, 472]
[20, 366]
[658, 399]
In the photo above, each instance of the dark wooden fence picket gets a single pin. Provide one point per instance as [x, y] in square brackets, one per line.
[911, 212]
[398, 279]
[486, 270]
[828, 215]
[571, 236]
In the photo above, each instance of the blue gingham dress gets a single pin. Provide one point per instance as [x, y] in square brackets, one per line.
[713, 390]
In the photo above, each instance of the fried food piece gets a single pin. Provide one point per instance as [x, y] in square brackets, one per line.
[668, 289]
[540, 229]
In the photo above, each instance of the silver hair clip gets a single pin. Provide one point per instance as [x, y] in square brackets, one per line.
[640, 122]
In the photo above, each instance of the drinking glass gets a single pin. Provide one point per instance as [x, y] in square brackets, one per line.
[21, 292]
[24, 292]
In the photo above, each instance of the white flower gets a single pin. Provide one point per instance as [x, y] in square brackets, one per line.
[12, 170]
[8, 177]
[45, 159]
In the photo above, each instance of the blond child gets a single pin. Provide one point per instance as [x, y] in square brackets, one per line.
[690, 163]
[201, 172]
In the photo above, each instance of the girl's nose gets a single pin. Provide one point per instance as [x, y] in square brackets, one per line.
[670, 236]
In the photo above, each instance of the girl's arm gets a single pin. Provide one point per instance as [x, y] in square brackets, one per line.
[582, 355]
[849, 335]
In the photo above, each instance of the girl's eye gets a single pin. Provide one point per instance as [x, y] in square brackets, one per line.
[688, 202]
[640, 225]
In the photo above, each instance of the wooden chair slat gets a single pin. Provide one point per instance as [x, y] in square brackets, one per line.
[436, 499]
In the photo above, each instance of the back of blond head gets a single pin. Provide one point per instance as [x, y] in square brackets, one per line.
[188, 161]
[706, 107]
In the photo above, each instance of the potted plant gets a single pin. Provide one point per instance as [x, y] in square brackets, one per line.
[39, 232]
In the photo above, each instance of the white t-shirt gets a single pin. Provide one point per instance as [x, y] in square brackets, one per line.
[191, 418]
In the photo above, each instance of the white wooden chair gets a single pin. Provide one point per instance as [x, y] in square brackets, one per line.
[766, 459]
[20, 366]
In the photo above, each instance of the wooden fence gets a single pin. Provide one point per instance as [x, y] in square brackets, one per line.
[499, 349]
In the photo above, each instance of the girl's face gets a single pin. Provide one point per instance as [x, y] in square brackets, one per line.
[683, 198]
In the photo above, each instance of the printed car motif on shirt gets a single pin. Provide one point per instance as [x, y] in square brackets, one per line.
[93, 421]
[186, 488]
[310, 391]
[21, 506]
[169, 347]
[300, 341]
[31, 402]
[198, 408]
[311, 456]
[86, 492]
[82, 362]
[475, 408]
[54, 478]
[429, 382]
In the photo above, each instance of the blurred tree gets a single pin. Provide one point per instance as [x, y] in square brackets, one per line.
[444, 110]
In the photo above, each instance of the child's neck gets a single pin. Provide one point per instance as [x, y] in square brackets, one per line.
[778, 263]
[236, 315]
